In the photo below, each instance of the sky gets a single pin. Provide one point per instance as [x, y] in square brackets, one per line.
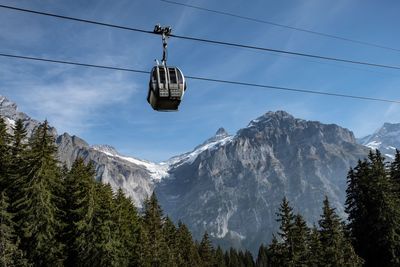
[110, 107]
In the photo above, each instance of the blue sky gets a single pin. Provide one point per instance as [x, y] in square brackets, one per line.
[109, 107]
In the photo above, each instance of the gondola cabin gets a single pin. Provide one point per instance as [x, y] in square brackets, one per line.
[166, 88]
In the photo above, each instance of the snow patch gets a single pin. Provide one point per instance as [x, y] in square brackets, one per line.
[374, 144]
[10, 122]
[389, 156]
[157, 171]
[191, 156]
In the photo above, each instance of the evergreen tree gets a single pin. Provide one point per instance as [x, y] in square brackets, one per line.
[206, 251]
[188, 254]
[153, 224]
[276, 254]
[300, 237]
[315, 250]
[10, 254]
[105, 249]
[4, 156]
[36, 203]
[248, 259]
[372, 204]
[227, 259]
[143, 249]
[18, 163]
[79, 195]
[18, 140]
[170, 233]
[262, 257]
[286, 219]
[395, 173]
[333, 240]
[219, 258]
[234, 260]
[127, 229]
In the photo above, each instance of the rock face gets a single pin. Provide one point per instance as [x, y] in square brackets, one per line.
[233, 188]
[386, 139]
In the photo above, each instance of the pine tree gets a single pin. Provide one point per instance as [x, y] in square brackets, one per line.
[4, 156]
[153, 224]
[105, 250]
[79, 195]
[10, 254]
[18, 163]
[206, 251]
[188, 254]
[127, 230]
[219, 258]
[18, 141]
[143, 250]
[248, 260]
[262, 257]
[276, 254]
[333, 240]
[234, 260]
[169, 232]
[315, 250]
[300, 237]
[374, 216]
[395, 173]
[286, 219]
[36, 206]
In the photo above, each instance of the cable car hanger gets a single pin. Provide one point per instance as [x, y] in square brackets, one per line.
[167, 84]
[165, 33]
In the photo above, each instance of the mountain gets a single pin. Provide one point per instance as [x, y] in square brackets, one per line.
[136, 177]
[9, 111]
[232, 186]
[386, 139]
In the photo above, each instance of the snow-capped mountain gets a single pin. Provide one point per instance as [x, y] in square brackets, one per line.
[386, 139]
[234, 189]
[232, 185]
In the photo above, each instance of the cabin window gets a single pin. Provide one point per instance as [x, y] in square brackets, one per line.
[162, 75]
[172, 75]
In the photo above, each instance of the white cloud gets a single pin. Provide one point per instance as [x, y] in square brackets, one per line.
[78, 101]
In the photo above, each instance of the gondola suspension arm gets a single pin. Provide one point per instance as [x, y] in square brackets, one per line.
[165, 32]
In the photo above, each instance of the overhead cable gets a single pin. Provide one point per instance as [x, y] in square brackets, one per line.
[297, 90]
[350, 61]
[281, 25]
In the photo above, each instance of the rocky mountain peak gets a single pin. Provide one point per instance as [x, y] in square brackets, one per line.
[8, 108]
[272, 118]
[9, 111]
[390, 128]
[281, 126]
[221, 133]
[386, 139]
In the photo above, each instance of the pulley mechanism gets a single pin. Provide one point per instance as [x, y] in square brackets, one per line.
[167, 84]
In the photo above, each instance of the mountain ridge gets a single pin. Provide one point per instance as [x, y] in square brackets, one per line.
[231, 185]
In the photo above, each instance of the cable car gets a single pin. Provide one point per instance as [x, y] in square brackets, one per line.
[167, 84]
[166, 88]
